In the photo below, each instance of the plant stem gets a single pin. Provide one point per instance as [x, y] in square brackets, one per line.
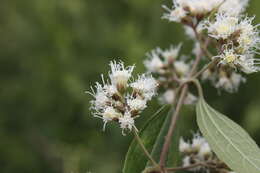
[184, 91]
[186, 167]
[205, 68]
[175, 117]
[138, 139]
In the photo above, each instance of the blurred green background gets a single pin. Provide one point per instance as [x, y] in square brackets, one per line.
[51, 51]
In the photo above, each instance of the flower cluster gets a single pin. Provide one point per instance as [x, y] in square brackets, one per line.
[224, 78]
[186, 11]
[170, 70]
[198, 151]
[120, 100]
[238, 41]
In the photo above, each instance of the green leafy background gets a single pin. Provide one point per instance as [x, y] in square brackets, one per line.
[51, 51]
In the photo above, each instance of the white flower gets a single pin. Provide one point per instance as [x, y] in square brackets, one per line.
[233, 7]
[119, 74]
[181, 67]
[208, 75]
[205, 150]
[190, 99]
[174, 15]
[186, 161]
[184, 146]
[154, 63]
[225, 83]
[126, 122]
[146, 85]
[230, 82]
[223, 27]
[229, 56]
[196, 48]
[197, 142]
[136, 104]
[168, 97]
[100, 97]
[249, 35]
[110, 90]
[183, 8]
[171, 53]
[245, 62]
[109, 114]
[248, 64]
[236, 80]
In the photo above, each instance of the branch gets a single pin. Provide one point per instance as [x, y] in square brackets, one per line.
[186, 167]
[175, 117]
[207, 66]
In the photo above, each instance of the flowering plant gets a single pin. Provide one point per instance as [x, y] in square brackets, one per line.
[225, 45]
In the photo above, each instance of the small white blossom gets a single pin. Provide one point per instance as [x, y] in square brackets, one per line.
[181, 67]
[136, 104]
[110, 90]
[186, 161]
[229, 56]
[171, 53]
[248, 64]
[236, 80]
[190, 99]
[184, 146]
[233, 7]
[146, 85]
[167, 97]
[120, 74]
[249, 35]
[127, 122]
[225, 83]
[196, 48]
[208, 75]
[183, 8]
[154, 63]
[100, 96]
[228, 81]
[197, 142]
[245, 62]
[204, 150]
[223, 27]
[109, 114]
[174, 15]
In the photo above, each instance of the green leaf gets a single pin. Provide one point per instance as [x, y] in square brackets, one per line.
[229, 141]
[136, 161]
[157, 147]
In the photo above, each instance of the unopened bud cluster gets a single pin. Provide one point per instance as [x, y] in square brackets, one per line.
[198, 151]
[224, 78]
[170, 70]
[121, 100]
